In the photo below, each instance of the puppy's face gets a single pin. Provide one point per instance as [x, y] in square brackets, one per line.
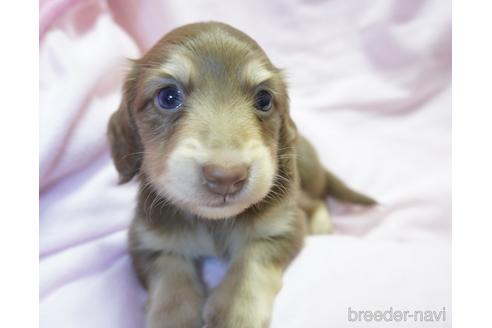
[205, 112]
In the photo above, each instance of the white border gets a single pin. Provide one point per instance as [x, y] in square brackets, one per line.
[19, 164]
[472, 163]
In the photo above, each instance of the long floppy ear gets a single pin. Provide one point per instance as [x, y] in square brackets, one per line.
[125, 142]
[288, 130]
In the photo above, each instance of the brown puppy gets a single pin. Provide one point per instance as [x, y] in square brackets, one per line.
[205, 125]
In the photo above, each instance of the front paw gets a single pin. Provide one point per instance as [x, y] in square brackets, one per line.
[178, 311]
[236, 312]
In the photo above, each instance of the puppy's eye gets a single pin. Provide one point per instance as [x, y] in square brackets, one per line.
[169, 98]
[263, 100]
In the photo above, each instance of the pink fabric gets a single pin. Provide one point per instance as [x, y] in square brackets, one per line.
[370, 87]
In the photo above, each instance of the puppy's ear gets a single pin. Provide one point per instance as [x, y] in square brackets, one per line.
[287, 148]
[126, 148]
[288, 130]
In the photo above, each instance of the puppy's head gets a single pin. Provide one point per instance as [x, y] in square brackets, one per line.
[205, 119]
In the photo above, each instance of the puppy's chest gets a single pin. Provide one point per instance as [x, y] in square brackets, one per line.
[219, 238]
[201, 240]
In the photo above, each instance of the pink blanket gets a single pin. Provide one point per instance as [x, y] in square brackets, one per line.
[370, 87]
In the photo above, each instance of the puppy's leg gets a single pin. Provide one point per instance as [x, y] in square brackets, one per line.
[319, 222]
[318, 216]
[175, 294]
[245, 297]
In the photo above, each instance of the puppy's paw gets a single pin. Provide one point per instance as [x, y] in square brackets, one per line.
[221, 312]
[320, 221]
[171, 320]
[180, 311]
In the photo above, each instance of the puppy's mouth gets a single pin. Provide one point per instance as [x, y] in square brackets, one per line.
[220, 207]
[215, 184]
[216, 199]
[223, 201]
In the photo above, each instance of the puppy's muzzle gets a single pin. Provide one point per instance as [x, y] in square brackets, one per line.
[225, 181]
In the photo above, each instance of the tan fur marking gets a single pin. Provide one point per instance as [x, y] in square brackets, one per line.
[256, 73]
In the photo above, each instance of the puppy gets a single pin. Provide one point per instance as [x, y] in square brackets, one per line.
[204, 124]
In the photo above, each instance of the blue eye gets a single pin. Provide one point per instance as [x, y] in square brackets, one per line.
[263, 101]
[169, 98]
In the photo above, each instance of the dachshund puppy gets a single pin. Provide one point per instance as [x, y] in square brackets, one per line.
[204, 124]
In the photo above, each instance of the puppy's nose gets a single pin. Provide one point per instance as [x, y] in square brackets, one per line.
[225, 180]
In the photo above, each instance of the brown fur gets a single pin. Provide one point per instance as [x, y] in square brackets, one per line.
[170, 234]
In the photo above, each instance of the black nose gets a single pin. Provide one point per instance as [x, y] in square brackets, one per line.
[225, 180]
